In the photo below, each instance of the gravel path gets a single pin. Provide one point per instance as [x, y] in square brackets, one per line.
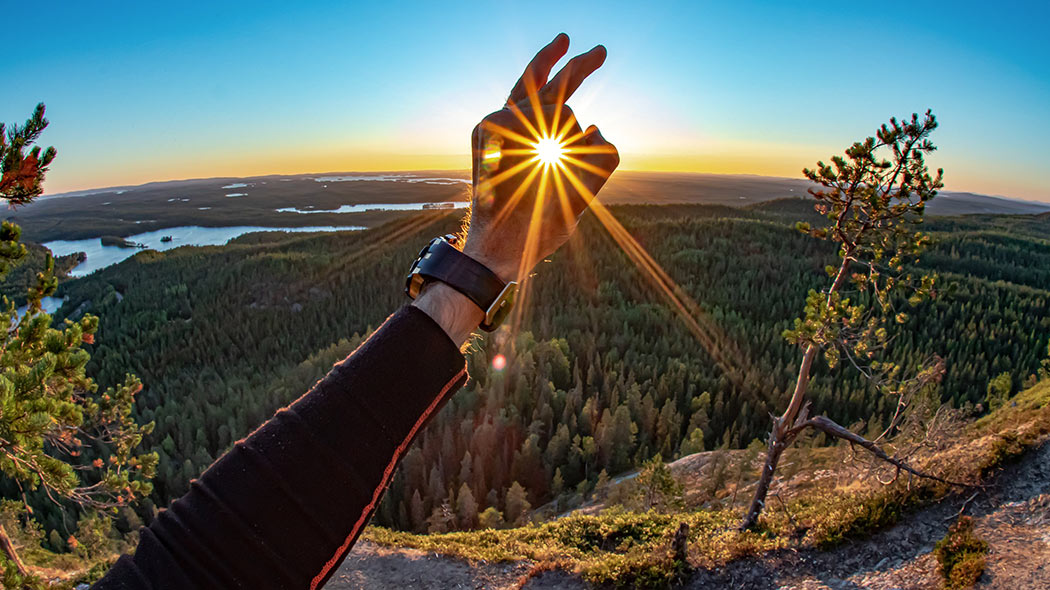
[375, 567]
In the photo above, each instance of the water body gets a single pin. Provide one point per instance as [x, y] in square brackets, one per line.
[411, 178]
[99, 256]
[48, 304]
[376, 207]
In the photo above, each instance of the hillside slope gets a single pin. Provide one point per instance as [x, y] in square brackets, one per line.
[847, 532]
[1013, 516]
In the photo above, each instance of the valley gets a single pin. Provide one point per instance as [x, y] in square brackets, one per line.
[225, 332]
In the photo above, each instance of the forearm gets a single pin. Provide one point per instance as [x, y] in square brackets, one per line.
[283, 507]
[457, 315]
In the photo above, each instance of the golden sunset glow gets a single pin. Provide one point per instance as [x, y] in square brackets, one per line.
[555, 163]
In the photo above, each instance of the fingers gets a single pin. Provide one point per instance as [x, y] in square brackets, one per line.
[605, 156]
[475, 151]
[603, 150]
[594, 158]
[594, 153]
[572, 75]
[539, 69]
[589, 135]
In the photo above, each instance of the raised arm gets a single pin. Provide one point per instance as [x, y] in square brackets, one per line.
[284, 506]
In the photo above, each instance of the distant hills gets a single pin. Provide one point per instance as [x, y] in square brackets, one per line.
[746, 189]
[130, 210]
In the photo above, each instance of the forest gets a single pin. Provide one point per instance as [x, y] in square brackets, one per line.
[20, 278]
[601, 375]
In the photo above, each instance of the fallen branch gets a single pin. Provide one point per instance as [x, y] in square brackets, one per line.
[830, 427]
[963, 509]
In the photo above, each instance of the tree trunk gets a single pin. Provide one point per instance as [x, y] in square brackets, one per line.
[784, 431]
[9, 550]
[680, 543]
[780, 437]
[777, 444]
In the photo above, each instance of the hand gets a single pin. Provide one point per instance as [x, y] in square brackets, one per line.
[524, 208]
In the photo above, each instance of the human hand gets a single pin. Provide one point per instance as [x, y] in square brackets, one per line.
[529, 194]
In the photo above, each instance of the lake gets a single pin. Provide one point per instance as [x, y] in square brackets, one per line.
[99, 256]
[377, 207]
[409, 178]
[48, 304]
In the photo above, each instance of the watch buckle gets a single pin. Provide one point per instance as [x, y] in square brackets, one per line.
[497, 312]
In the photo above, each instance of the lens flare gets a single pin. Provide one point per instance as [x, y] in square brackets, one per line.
[499, 362]
[549, 151]
[556, 162]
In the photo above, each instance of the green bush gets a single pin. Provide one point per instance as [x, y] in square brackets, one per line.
[961, 555]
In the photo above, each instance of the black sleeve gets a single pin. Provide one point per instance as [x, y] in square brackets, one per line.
[283, 507]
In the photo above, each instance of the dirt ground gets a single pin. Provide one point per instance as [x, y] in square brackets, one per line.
[374, 567]
[1013, 516]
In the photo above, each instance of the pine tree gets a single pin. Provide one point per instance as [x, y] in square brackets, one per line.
[517, 505]
[601, 487]
[21, 173]
[441, 519]
[416, 512]
[623, 438]
[491, 519]
[999, 391]
[656, 487]
[466, 468]
[466, 508]
[872, 205]
[694, 443]
[58, 433]
[557, 483]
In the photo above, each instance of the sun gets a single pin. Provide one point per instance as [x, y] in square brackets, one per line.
[555, 156]
[549, 150]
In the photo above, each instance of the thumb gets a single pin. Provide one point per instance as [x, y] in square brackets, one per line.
[591, 134]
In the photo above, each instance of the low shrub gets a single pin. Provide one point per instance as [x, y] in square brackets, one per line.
[960, 555]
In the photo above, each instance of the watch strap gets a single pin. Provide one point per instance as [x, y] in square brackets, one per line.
[444, 262]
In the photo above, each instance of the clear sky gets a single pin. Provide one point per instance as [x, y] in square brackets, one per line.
[143, 91]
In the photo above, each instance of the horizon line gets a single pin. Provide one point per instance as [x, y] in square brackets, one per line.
[103, 189]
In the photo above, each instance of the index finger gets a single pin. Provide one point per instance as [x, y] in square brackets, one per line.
[535, 75]
[572, 75]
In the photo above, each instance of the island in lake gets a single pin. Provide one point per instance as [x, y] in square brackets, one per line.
[120, 242]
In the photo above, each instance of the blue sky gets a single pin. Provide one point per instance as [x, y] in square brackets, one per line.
[149, 91]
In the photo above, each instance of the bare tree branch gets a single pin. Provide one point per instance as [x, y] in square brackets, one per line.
[831, 428]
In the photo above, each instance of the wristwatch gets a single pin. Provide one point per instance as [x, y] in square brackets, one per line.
[442, 261]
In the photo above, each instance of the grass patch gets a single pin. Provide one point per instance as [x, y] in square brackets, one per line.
[616, 547]
[960, 555]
